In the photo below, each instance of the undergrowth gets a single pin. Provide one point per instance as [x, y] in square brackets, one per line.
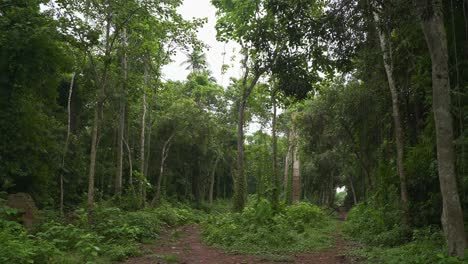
[114, 236]
[380, 233]
[261, 230]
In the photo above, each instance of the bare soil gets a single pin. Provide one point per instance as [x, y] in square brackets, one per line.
[183, 245]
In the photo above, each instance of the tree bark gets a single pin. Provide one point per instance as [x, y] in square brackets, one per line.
[286, 166]
[121, 125]
[432, 22]
[142, 140]
[351, 184]
[67, 139]
[96, 121]
[164, 154]
[398, 129]
[148, 137]
[275, 194]
[240, 184]
[296, 168]
[212, 181]
[92, 160]
[130, 164]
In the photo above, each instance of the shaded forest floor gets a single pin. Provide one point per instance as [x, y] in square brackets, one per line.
[184, 245]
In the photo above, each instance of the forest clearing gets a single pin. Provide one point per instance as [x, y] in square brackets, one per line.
[233, 131]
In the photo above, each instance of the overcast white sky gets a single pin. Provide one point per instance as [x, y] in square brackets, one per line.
[204, 9]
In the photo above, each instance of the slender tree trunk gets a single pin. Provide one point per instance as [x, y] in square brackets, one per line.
[432, 21]
[296, 168]
[398, 129]
[92, 160]
[351, 185]
[275, 198]
[286, 166]
[98, 110]
[121, 125]
[130, 164]
[67, 139]
[240, 183]
[164, 154]
[148, 140]
[461, 158]
[142, 139]
[212, 181]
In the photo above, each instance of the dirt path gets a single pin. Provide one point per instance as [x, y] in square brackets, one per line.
[183, 245]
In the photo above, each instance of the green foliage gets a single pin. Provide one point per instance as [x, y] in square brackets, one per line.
[377, 226]
[427, 246]
[177, 215]
[70, 238]
[340, 198]
[19, 247]
[259, 229]
[32, 59]
[114, 236]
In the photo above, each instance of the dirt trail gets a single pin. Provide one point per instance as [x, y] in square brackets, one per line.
[183, 245]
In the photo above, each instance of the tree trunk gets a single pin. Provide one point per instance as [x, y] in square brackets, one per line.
[148, 137]
[240, 184]
[275, 194]
[164, 154]
[130, 164]
[296, 168]
[398, 129]
[432, 21]
[97, 111]
[67, 139]
[286, 166]
[351, 184]
[92, 160]
[212, 181]
[142, 140]
[121, 125]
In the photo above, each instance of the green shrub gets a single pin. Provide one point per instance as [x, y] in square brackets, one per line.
[374, 226]
[306, 213]
[19, 247]
[259, 229]
[119, 252]
[427, 246]
[174, 215]
[113, 237]
[70, 237]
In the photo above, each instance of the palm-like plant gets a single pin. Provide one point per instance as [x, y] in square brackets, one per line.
[196, 61]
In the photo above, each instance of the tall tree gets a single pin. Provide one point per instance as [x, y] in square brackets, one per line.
[121, 120]
[239, 21]
[274, 144]
[386, 49]
[296, 181]
[432, 21]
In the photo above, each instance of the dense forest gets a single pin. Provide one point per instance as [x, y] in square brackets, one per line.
[342, 140]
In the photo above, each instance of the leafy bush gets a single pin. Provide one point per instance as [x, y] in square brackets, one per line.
[174, 215]
[427, 246]
[119, 252]
[374, 226]
[19, 247]
[113, 237]
[70, 237]
[259, 229]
